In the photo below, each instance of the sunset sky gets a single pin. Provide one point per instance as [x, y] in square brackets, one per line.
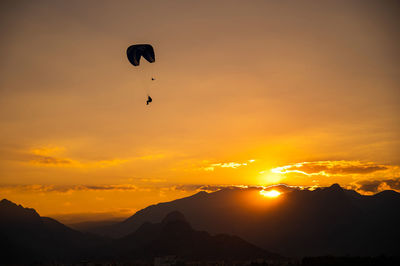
[305, 93]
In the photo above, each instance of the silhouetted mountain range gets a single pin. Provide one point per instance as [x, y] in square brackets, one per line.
[325, 221]
[26, 237]
[175, 236]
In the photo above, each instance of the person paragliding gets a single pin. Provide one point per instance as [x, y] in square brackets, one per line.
[149, 100]
[136, 52]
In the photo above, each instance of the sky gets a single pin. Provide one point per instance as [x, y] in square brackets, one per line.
[255, 93]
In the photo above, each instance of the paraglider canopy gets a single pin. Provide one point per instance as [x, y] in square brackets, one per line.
[135, 52]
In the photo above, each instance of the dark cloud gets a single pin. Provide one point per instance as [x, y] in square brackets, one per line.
[188, 187]
[111, 187]
[211, 188]
[369, 186]
[48, 160]
[66, 189]
[284, 187]
[362, 169]
[379, 185]
[336, 167]
[393, 183]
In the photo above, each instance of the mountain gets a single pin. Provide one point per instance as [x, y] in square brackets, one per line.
[26, 236]
[92, 225]
[325, 221]
[175, 236]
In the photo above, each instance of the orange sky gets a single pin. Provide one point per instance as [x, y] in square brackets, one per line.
[246, 92]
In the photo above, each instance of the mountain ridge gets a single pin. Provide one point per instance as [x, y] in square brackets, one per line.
[298, 223]
[174, 235]
[43, 239]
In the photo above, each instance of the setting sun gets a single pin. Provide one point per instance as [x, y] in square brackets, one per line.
[270, 193]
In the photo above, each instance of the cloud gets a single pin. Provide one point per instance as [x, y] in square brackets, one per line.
[330, 168]
[197, 187]
[364, 177]
[112, 187]
[233, 165]
[36, 188]
[48, 160]
[53, 157]
[68, 189]
[211, 188]
[46, 151]
[363, 187]
[374, 186]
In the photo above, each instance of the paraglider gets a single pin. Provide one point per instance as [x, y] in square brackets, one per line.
[136, 52]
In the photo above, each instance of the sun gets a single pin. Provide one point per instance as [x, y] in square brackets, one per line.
[270, 193]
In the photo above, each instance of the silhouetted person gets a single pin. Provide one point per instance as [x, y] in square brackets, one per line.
[149, 100]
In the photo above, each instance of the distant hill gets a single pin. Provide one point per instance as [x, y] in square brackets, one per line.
[325, 221]
[175, 236]
[89, 226]
[26, 237]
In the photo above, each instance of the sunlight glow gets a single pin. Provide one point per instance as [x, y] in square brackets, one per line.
[270, 193]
